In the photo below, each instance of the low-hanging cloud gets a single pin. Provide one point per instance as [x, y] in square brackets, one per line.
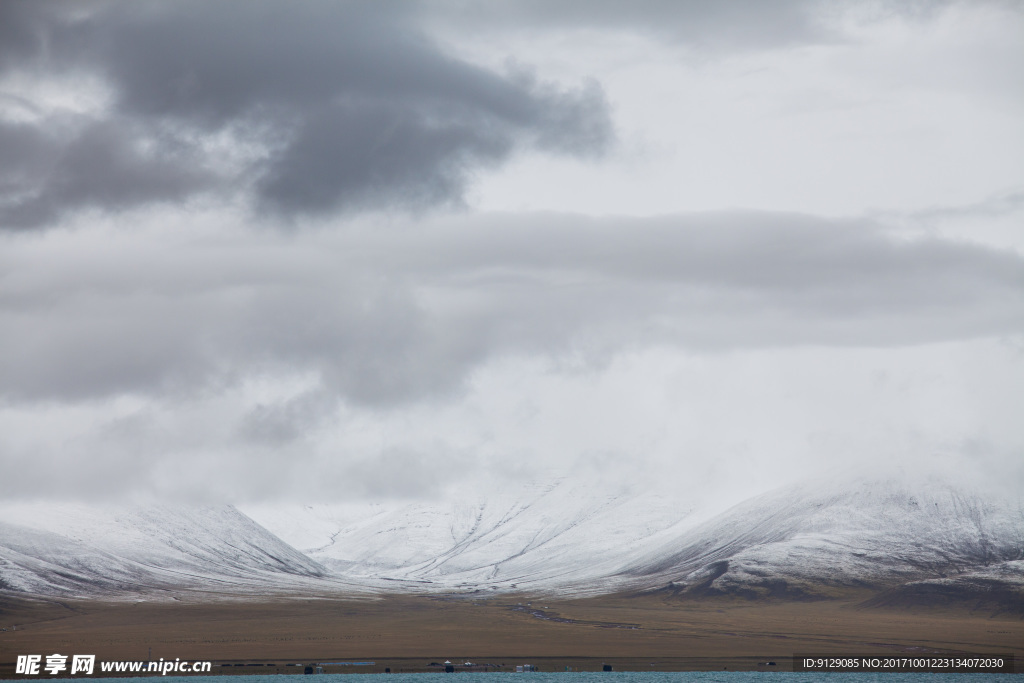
[303, 109]
[382, 317]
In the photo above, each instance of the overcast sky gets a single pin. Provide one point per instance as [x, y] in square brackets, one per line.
[316, 250]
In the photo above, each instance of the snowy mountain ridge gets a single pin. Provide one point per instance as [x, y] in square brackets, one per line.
[564, 538]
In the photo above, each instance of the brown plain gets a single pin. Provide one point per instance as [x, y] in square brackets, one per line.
[408, 633]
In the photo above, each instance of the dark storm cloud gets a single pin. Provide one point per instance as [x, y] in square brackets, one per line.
[97, 164]
[326, 107]
[383, 318]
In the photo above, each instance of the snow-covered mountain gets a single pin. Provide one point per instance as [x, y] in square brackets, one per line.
[76, 549]
[801, 540]
[804, 539]
[565, 538]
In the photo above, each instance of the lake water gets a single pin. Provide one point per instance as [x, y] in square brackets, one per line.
[602, 677]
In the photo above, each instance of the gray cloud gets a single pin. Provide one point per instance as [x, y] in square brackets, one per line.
[711, 27]
[383, 318]
[744, 24]
[327, 107]
[1001, 204]
[100, 164]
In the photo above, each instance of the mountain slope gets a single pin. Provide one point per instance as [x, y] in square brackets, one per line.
[91, 549]
[868, 533]
[556, 535]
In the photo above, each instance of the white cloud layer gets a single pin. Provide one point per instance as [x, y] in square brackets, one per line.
[391, 360]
